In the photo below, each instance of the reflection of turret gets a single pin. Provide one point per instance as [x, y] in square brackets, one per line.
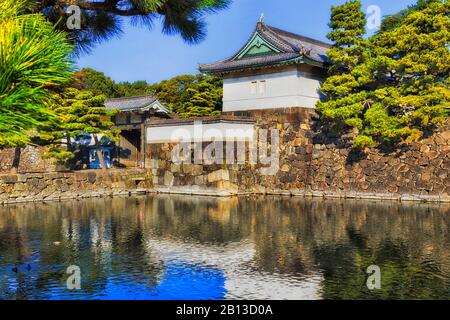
[237, 260]
[101, 243]
[223, 210]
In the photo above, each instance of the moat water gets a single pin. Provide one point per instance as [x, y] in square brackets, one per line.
[182, 247]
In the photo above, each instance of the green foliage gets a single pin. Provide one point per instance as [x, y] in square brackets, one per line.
[187, 95]
[402, 277]
[347, 24]
[363, 141]
[348, 28]
[33, 57]
[191, 96]
[103, 20]
[137, 88]
[77, 113]
[395, 85]
[96, 82]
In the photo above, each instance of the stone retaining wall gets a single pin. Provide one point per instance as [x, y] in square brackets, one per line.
[29, 160]
[314, 161]
[71, 185]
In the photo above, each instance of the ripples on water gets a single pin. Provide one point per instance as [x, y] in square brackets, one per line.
[165, 247]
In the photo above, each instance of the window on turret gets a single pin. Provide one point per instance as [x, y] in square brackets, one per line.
[258, 87]
[253, 87]
[262, 87]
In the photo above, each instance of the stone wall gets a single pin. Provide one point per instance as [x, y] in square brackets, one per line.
[71, 185]
[29, 160]
[314, 161]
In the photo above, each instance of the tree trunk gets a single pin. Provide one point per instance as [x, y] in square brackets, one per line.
[100, 155]
[68, 142]
[16, 161]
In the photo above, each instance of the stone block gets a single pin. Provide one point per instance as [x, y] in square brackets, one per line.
[227, 186]
[175, 168]
[187, 168]
[197, 170]
[80, 176]
[409, 197]
[20, 187]
[200, 180]
[91, 177]
[219, 175]
[168, 179]
[305, 126]
[118, 185]
[9, 179]
[445, 135]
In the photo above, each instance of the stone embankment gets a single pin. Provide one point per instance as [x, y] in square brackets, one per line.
[57, 186]
[316, 162]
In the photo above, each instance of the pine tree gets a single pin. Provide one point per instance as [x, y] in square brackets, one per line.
[345, 99]
[96, 82]
[136, 88]
[103, 20]
[33, 57]
[191, 96]
[77, 113]
[394, 86]
[205, 99]
[410, 68]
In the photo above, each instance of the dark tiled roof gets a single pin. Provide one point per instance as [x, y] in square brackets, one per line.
[203, 120]
[133, 103]
[293, 49]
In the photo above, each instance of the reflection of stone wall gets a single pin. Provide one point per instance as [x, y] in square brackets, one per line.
[71, 185]
[30, 160]
[315, 161]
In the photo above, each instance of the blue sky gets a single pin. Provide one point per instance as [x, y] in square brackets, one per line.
[141, 54]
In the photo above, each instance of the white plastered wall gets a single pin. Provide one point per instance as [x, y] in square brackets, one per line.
[289, 87]
[200, 132]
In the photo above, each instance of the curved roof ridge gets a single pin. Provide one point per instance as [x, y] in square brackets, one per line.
[298, 36]
[135, 103]
[242, 48]
[284, 46]
[275, 39]
[271, 37]
[151, 95]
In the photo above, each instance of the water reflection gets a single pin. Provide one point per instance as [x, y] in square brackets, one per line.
[167, 247]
